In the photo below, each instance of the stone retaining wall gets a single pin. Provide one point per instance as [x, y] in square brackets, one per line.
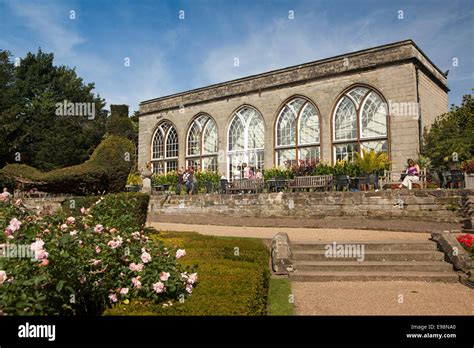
[422, 205]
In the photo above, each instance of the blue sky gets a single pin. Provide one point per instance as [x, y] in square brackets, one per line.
[168, 54]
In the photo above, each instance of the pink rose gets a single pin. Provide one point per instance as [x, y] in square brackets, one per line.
[41, 254]
[124, 291]
[37, 246]
[146, 257]
[46, 231]
[73, 233]
[189, 288]
[98, 228]
[83, 210]
[164, 276]
[180, 253]
[43, 263]
[8, 232]
[70, 220]
[113, 230]
[96, 262]
[97, 249]
[159, 287]
[113, 298]
[63, 227]
[14, 225]
[192, 278]
[136, 282]
[134, 267]
[3, 276]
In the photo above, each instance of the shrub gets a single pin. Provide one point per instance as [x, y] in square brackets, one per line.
[468, 166]
[110, 208]
[105, 171]
[81, 267]
[278, 173]
[134, 178]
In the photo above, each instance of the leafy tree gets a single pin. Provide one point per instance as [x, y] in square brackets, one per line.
[451, 132]
[29, 122]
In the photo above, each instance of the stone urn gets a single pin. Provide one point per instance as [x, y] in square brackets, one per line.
[469, 180]
[146, 174]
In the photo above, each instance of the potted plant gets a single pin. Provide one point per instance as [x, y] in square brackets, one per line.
[134, 181]
[468, 168]
[371, 163]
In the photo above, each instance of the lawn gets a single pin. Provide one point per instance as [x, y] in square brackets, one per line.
[280, 301]
[233, 277]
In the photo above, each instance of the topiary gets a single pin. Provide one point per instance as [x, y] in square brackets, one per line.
[105, 171]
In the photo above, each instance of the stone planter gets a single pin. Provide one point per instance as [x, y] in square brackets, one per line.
[469, 180]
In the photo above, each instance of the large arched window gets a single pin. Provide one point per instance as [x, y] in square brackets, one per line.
[164, 149]
[359, 122]
[201, 150]
[297, 132]
[246, 143]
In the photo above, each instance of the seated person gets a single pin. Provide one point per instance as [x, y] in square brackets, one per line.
[413, 174]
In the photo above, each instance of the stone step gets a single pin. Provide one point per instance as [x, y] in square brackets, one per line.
[370, 245]
[447, 277]
[371, 255]
[373, 266]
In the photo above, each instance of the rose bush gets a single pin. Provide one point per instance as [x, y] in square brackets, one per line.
[80, 265]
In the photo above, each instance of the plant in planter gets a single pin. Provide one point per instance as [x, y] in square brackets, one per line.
[468, 168]
[371, 164]
[134, 181]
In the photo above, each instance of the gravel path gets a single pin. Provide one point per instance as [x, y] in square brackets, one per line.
[295, 234]
[382, 298]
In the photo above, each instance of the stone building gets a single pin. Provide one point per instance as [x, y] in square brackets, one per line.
[379, 98]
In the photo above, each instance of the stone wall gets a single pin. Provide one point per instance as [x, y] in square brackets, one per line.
[420, 205]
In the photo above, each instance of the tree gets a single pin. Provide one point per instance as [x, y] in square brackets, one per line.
[30, 124]
[452, 132]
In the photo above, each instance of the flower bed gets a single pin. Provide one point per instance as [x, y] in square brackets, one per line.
[466, 240]
[229, 284]
[80, 264]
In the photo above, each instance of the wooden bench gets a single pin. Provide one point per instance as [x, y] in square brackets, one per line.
[317, 182]
[251, 185]
[392, 179]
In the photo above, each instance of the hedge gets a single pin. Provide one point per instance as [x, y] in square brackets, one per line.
[105, 171]
[126, 209]
[228, 284]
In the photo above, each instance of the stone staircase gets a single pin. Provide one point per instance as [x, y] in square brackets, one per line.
[382, 260]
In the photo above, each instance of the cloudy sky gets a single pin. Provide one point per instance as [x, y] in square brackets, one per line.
[168, 54]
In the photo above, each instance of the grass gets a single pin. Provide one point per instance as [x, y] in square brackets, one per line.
[233, 277]
[279, 297]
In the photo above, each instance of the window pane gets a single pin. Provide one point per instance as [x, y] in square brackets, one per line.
[172, 143]
[378, 146]
[157, 167]
[194, 163]
[210, 138]
[157, 147]
[286, 127]
[236, 135]
[374, 117]
[285, 157]
[256, 132]
[346, 120]
[209, 163]
[309, 154]
[345, 152]
[171, 166]
[358, 93]
[309, 125]
[194, 139]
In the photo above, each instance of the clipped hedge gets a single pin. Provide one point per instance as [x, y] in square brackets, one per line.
[229, 284]
[112, 207]
[105, 171]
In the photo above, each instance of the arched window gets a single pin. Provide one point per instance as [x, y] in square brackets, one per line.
[360, 122]
[246, 136]
[164, 154]
[202, 143]
[297, 132]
